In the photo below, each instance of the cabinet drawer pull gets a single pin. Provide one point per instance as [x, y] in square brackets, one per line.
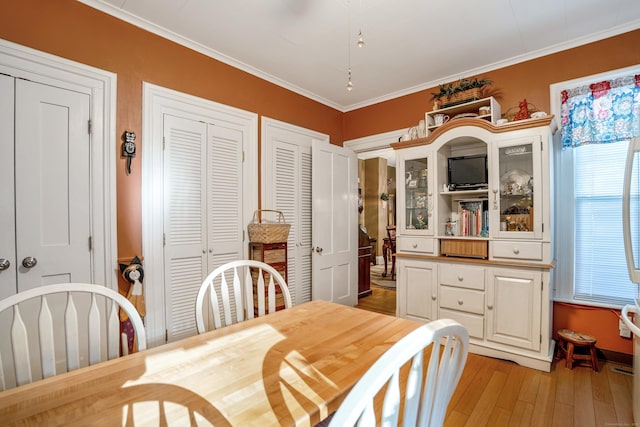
[516, 251]
[460, 302]
[490, 307]
[460, 278]
[415, 246]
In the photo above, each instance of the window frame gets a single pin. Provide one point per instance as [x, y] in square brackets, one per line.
[564, 184]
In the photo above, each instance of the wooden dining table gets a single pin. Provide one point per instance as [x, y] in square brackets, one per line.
[292, 367]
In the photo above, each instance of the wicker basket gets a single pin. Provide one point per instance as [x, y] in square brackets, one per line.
[268, 232]
[462, 97]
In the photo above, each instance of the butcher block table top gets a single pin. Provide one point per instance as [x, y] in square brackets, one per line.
[292, 367]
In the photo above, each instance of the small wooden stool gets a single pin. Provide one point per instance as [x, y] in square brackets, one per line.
[567, 343]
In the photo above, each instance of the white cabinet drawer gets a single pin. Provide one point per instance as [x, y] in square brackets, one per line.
[470, 301]
[462, 276]
[473, 322]
[414, 244]
[517, 250]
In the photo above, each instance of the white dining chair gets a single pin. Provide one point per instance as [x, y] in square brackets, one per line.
[427, 392]
[75, 323]
[234, 302]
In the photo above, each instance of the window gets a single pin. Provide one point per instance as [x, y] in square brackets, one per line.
[591, 267]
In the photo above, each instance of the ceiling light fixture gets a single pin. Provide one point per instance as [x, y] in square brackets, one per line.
[349, 82]
[359, 43]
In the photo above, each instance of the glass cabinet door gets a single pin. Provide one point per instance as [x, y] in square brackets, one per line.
[416, 210]
[517, 189]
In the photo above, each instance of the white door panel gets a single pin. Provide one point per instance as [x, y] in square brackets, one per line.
[224, 195]
[185, 209]
[335, 238]
[290, 185]
[7, 207]
[52, 184]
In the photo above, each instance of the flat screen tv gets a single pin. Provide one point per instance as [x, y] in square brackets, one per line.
[468, 172]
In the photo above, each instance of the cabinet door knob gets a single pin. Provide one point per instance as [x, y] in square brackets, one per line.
[490, 307]
[29, 262]
[516, 251]
[433, 297]
[4, 264]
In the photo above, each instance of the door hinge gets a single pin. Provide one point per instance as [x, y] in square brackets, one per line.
[89, 126]
[540, 338]
[164, 239]
[543, 227]
[90, 244]
[163, 142]
[243, 156]
[166, 335]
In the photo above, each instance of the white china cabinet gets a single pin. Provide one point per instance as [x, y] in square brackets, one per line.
[484, 255]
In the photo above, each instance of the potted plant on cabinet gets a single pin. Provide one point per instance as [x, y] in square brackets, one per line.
[459, 92]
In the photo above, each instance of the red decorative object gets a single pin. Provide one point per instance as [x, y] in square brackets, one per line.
[523, 112]
[637, 79]
[600, 89]
[565, 96]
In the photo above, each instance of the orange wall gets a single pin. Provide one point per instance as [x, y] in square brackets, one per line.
[72, 30]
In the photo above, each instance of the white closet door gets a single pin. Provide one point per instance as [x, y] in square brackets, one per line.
[7, 208]
[224, 195]
[291, 189]
[52, 158]
[184, 219]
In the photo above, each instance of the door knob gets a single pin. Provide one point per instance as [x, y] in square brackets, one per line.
[29, 262]
[4, 264]
[318, 249]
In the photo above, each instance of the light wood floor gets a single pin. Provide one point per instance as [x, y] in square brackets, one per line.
[495, 392]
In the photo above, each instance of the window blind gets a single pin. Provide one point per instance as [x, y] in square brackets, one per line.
[600, 268]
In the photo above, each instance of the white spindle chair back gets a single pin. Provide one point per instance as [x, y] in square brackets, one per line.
[17, 353]
[240, 291]
[427, 392]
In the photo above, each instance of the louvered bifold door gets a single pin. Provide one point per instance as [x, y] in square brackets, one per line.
[291, 182]
[224, 197]
[185, 227]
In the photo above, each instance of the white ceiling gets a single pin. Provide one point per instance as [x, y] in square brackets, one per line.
[410, 45]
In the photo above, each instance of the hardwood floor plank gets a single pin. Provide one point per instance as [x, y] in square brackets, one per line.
[530, 386]
[544, 407]
[562, 415]
[499, 417]
[488, 399]
[584, 411]
[511, 390]
[521, 415]
[565, 391]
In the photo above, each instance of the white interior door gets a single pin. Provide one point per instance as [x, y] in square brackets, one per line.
[52, 185]
[335, 224]
[224, 194]
[184, 221]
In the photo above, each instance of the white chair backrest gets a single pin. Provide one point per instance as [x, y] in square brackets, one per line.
[428, 391]
[42, 318]
[234, 303]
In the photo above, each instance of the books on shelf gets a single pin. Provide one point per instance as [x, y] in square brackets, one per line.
[473, 217]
